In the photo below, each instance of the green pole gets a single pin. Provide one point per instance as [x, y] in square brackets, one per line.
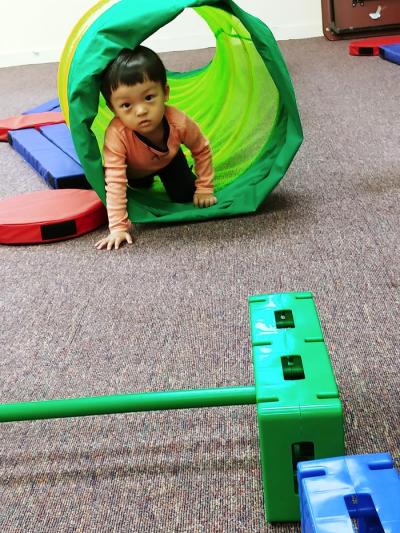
[124, 403]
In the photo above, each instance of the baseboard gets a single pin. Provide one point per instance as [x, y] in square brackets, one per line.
[283, 33]
[29, 57]
[181, 42]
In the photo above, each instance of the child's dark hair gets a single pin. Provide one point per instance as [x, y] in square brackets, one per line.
[131, 67]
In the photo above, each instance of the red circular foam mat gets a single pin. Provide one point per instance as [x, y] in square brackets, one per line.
[50, 215]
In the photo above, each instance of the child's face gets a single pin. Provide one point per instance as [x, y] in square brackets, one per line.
[140, 107]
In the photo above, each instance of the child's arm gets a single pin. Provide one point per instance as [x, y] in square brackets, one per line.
[201, 152]
[116, 187]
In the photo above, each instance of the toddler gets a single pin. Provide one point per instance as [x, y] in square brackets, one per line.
[144, 140]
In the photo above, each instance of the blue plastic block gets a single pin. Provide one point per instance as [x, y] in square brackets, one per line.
[346, 494]
[56, 167]
[60, 135]
[51, 105]
[390, 52]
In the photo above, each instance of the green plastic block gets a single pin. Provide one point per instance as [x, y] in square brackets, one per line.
[298, 407]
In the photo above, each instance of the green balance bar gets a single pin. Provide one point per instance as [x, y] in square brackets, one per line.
[127, 403]
[298, 407]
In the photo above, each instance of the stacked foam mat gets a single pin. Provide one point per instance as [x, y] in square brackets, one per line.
[50, 151]
[387, 47]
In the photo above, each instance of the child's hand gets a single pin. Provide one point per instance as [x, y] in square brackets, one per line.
[204, 199]
[115, 238]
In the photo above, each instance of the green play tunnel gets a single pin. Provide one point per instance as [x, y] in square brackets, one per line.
[243, 100]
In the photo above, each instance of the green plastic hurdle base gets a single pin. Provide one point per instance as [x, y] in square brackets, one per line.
[298, 406]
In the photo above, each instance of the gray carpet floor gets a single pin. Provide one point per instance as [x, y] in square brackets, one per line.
[170, 312]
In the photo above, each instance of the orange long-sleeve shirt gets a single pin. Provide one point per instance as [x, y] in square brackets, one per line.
[125, 153]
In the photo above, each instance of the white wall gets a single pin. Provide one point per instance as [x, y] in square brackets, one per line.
[34, 31]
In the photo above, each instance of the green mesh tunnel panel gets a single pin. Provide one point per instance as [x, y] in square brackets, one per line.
[243, 101]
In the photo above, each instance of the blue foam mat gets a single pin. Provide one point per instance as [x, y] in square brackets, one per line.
[51, 105]
[60, 135]
[391, 52]
[58, 169]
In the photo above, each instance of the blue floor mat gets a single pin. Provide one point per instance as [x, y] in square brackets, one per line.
[50, 151]
[59, 170]
[391, 52]
[60, 135]
[51, 105]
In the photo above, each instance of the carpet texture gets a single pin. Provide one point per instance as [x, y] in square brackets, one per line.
[170, 312]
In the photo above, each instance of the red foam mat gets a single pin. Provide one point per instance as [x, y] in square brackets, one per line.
[33, 120]
[370, 47]
[50, 215]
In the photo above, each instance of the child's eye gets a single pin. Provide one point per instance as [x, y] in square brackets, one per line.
[149, 97]
[125, 105]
